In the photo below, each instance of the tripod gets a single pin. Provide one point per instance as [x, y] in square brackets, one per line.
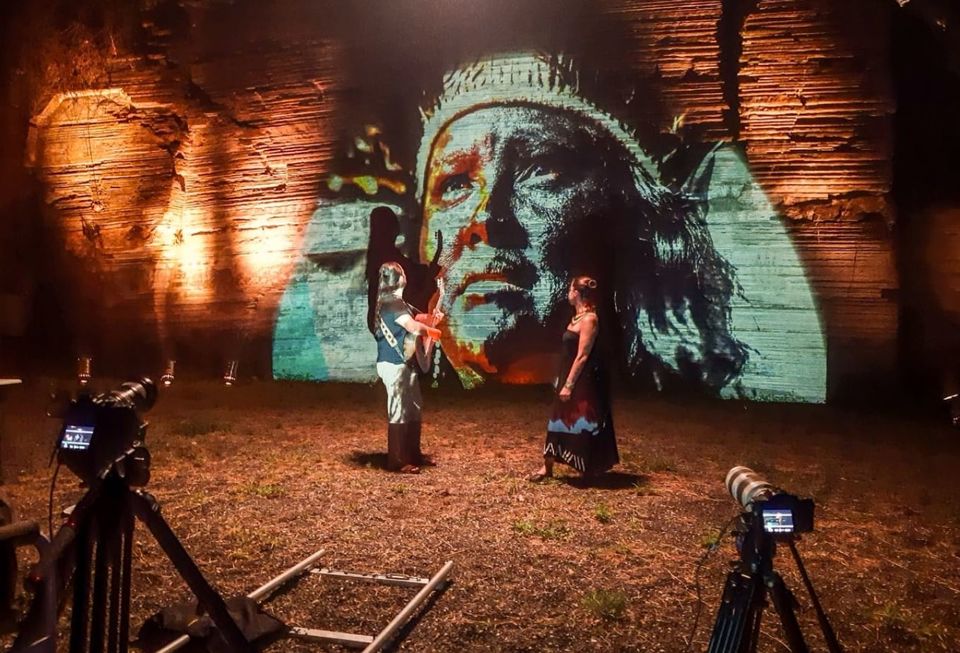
[100, 531]
[747, 588]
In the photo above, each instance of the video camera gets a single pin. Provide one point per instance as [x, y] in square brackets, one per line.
[772, 518]
[104, 431]
[782, 515]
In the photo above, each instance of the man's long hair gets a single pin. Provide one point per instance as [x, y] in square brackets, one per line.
[389, 281]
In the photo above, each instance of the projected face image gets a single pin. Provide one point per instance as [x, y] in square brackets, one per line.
[517, 192]
[531, 175]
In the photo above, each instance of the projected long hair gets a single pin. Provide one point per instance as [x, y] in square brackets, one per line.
[672, 294]
[664, 290]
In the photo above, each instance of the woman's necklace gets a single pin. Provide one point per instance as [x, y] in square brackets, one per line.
[579, 316]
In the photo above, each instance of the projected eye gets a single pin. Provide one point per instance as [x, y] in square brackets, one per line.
[455, 188]
[538, 173]
[549, 170]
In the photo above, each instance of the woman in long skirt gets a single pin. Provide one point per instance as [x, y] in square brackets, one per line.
[580, 430]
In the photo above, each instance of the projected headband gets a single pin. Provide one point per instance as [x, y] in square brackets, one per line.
[526, 78]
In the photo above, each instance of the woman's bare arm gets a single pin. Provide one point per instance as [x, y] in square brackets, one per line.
[588, 336]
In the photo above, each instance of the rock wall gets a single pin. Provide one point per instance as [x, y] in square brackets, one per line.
[182, 181]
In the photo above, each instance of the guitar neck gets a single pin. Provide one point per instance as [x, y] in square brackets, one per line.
[436, 307]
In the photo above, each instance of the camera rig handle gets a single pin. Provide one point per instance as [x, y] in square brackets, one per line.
[21, 533]
[13, 536]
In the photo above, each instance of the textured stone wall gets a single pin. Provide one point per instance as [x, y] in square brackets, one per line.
[184, 181]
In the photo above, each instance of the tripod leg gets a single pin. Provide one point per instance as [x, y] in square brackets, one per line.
[738, 615]
[149, 513]
[116, 578]
[751, 644]
[783, 602]
[126, 571]
[101, 573]
[833, 645]
[81, 593]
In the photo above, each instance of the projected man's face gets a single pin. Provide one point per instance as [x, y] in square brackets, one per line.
[514, 190]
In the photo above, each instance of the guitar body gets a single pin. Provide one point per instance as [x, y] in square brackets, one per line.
[419, 349]
[415, 351]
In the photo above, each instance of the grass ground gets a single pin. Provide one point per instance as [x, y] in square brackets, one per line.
[256, 477]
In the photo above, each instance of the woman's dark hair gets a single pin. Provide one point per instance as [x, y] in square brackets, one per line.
[390, 279]
[588, 288]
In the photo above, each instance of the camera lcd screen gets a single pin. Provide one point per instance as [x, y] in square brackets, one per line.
[777, 520]
[76, 437]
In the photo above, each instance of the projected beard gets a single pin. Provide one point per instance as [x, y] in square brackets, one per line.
[528, 196]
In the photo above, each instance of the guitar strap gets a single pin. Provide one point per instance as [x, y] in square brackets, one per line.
[392, 340]
[389, 337]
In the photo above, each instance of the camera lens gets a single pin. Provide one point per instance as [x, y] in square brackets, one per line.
[746, 486]
[140, 394]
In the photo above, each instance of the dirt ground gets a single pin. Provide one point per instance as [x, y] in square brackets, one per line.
[256, 477]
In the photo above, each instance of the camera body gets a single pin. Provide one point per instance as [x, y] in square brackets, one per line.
[784, 515]
[104, 431]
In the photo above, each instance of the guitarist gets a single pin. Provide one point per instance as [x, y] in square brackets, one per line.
[394, 321]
